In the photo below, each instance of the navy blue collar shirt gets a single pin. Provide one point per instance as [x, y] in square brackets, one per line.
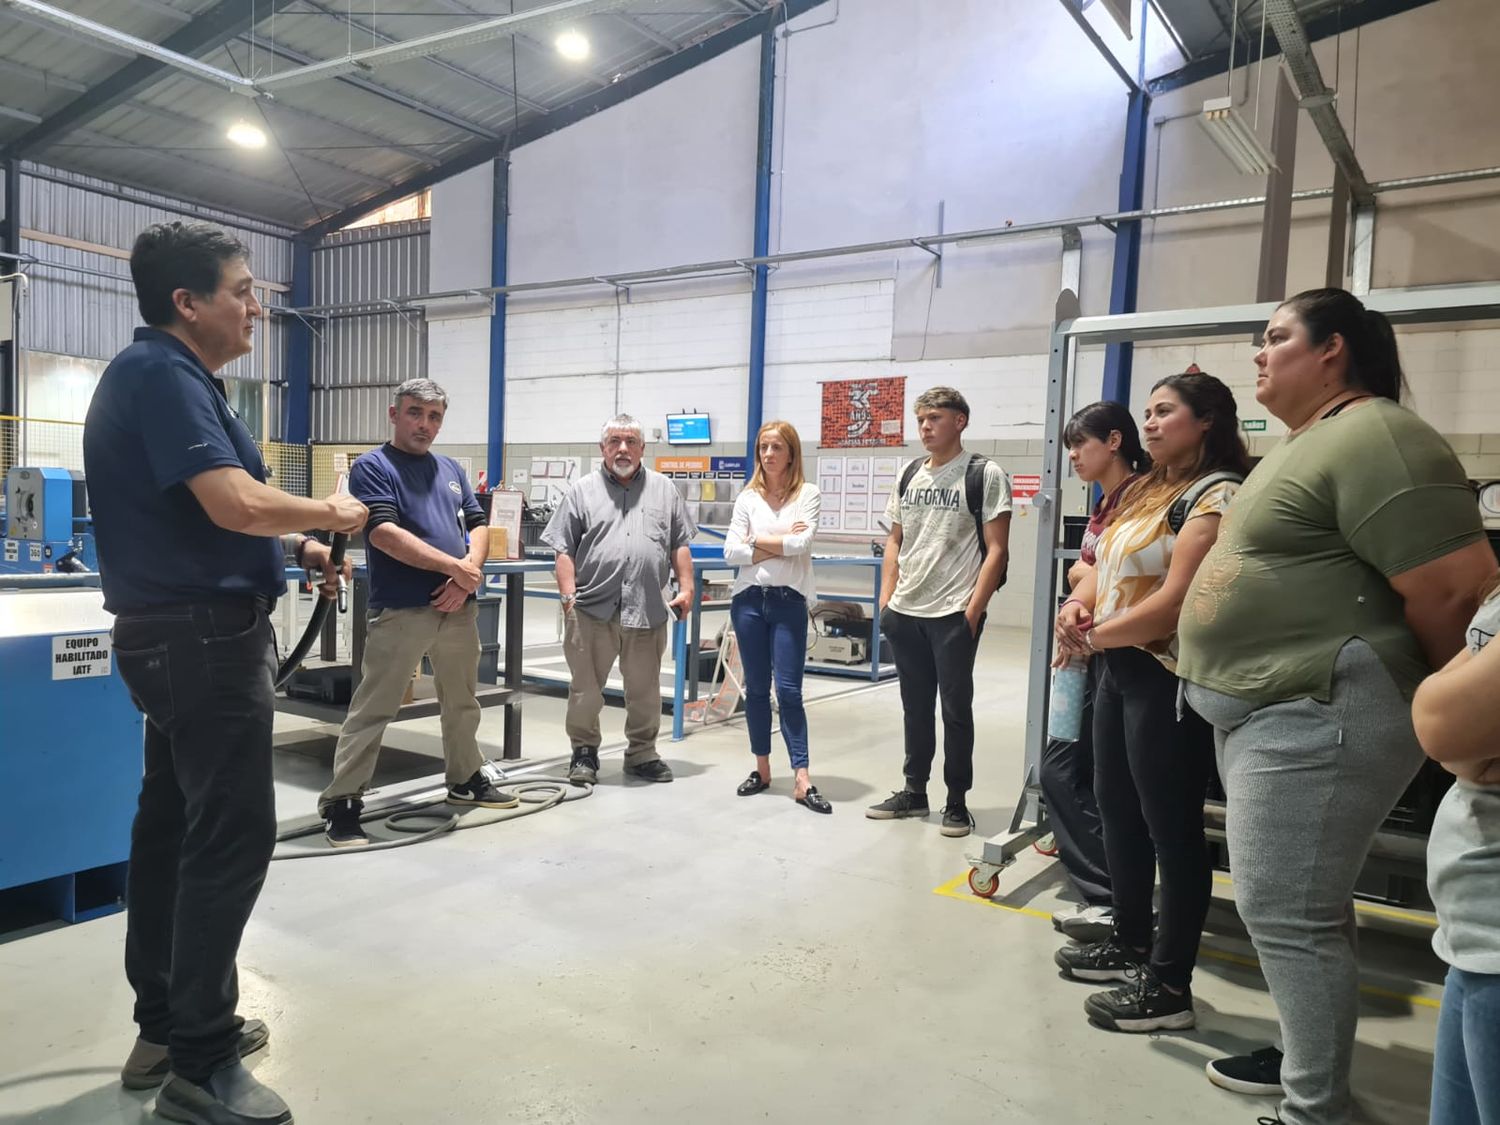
[159, 418]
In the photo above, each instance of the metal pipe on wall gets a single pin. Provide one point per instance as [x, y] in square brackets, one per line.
[920, 242]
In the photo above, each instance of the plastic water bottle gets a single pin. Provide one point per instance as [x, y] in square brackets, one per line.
[1065, 710]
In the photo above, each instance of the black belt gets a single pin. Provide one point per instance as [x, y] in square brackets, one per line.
[259, 603]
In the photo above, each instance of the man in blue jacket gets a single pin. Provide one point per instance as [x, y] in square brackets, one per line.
[191, 567]
[423, 578]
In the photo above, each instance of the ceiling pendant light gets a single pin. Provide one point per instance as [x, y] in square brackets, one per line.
[246, 135]
[573, 45]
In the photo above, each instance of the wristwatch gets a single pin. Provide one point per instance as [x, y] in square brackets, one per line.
[568, 600]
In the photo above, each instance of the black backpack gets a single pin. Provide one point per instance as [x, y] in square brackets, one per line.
[1178, 514]
[973, 497]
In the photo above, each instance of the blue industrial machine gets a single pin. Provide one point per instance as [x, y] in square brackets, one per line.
[47, 526]
[70, 757]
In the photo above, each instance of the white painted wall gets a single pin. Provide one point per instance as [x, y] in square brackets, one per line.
[1001, 111]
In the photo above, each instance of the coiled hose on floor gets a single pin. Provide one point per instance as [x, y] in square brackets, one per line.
[538, 794]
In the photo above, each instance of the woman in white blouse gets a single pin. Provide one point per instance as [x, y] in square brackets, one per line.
[770, 540]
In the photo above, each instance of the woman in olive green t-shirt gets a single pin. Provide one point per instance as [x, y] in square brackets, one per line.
[1344, 572]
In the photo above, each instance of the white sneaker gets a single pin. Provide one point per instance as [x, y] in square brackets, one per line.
[1085, 923]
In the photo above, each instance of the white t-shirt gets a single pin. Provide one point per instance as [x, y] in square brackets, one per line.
[940, 556]
[753, 516]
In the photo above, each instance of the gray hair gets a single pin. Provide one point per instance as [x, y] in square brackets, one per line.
[423, 390]
[623, 422]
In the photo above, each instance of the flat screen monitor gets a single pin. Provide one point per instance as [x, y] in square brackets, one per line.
[688, 429]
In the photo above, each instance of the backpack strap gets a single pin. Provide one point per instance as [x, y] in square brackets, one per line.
[1178, 514]
[906, 475]
[974, 494]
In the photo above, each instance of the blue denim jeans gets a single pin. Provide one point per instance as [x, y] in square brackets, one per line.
[770, 623]
[1466, 1063]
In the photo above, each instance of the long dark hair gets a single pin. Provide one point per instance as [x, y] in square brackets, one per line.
[1223, 446]
[1099, 420]
[1374, 360]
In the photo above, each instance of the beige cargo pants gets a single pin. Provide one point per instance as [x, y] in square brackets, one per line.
[395, 641]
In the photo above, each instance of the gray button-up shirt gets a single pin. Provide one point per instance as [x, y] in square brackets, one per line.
[621, 538]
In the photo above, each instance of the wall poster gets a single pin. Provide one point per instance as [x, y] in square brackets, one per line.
[859, 413]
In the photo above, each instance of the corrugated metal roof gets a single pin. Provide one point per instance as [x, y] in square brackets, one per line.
[336, 141]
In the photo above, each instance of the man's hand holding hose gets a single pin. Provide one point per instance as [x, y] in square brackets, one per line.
[346, 515]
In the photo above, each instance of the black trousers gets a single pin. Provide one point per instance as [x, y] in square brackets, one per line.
[1150, 777]
[206, 824]
[1067, 781]
[935, 660]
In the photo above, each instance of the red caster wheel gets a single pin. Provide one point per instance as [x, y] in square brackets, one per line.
[981, 886]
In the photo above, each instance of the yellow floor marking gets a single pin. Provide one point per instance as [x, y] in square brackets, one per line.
[958, 888]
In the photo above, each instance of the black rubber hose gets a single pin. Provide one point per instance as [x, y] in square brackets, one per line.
[319, 615]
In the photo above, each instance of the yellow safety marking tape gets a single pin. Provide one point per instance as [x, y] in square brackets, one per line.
[951, 889]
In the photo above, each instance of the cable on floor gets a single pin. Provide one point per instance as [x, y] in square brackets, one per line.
[537, 794]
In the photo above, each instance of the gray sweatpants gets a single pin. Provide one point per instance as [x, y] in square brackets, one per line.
[1308, 785]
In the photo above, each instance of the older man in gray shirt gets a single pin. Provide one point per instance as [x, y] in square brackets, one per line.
[618, 535]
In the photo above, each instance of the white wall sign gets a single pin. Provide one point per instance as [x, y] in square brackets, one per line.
[80, 656]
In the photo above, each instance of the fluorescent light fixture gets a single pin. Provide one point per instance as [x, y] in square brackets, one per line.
[573, 44]
[246, 135]
[1235, 139]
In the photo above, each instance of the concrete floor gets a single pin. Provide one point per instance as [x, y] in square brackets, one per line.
[677, 954]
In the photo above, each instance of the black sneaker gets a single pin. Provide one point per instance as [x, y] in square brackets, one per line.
[1102, 960]
[654, 770]
[480, 792]
[342, 825]
[1259, 1072]
[584, 768]
[1145, 1004]
[957, 821]
[899, 805]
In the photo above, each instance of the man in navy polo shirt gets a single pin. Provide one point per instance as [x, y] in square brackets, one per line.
[423, 578]
[190, 565]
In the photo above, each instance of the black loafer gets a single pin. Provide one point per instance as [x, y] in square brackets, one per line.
[753, 785]
[815, 800]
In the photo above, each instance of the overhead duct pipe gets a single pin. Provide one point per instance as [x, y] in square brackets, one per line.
[1315, 97]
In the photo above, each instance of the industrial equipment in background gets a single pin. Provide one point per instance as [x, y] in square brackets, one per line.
[841, 635]
[47, 524]
[63, 852]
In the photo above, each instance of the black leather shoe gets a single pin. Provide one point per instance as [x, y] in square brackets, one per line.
[654, 770]
[752, 785]
[229, 1096]
[148, 1065]
[815, 800]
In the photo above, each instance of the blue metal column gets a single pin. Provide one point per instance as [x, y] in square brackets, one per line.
[755, 411]
[10, 243]
[299, 348]
[499, 269]
[1118, 358]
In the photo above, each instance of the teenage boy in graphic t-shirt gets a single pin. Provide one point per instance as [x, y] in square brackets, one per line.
[423, 578]
[934, 592]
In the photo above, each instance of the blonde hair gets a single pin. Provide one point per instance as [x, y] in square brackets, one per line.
[794, 478]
